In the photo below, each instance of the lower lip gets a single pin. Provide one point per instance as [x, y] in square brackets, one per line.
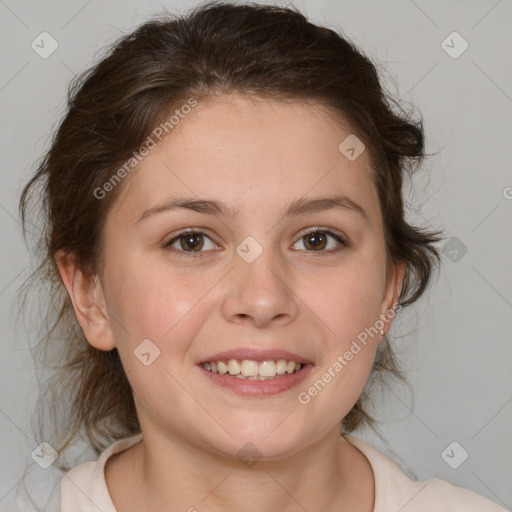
[248, 387]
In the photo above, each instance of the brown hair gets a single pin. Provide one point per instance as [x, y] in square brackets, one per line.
[218, 48]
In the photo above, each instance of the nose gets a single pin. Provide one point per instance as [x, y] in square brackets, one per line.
[260, 293]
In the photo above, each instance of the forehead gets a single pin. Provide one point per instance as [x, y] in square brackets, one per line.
[244, 150]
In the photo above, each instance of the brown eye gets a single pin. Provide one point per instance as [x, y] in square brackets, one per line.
[318, 240]
[189, 243]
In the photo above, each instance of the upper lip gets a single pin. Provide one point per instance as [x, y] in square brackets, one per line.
[256, 355]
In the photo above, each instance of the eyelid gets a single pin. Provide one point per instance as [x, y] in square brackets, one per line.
[186, 231]
[324, 229]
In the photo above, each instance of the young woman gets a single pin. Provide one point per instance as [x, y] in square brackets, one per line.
[227, 247]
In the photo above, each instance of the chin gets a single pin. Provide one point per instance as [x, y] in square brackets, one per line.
[255, 444]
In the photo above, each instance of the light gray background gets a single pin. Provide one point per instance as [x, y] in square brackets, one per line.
[455, 343]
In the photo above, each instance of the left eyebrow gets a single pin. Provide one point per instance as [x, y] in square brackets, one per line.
[218, 208]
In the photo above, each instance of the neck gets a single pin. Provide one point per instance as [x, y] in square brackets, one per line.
[167, 474]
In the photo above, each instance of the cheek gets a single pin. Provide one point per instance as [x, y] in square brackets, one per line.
[156, 302]
[147, 300]
[349, 298]
[160, 305]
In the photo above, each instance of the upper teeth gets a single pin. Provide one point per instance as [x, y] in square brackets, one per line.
[250, 368]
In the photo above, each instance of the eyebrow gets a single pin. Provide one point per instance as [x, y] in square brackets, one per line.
[218, 208]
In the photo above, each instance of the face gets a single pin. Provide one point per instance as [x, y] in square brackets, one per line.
[257, 282]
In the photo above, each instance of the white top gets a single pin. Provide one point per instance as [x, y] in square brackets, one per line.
[83, 489]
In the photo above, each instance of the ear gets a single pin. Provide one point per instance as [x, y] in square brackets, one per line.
[86, 294]
[393, 288]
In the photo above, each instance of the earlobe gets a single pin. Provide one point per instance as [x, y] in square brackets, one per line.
[86, 294]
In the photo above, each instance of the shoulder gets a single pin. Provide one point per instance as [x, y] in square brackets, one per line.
[394, 490]
[76, 487]
[444, 496]
[84, 488]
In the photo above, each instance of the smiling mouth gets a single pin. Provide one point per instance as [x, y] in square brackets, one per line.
[249, 369]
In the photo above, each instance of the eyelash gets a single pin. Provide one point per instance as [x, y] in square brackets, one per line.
[198, 231]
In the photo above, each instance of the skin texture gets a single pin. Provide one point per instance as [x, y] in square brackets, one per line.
[255, 155]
